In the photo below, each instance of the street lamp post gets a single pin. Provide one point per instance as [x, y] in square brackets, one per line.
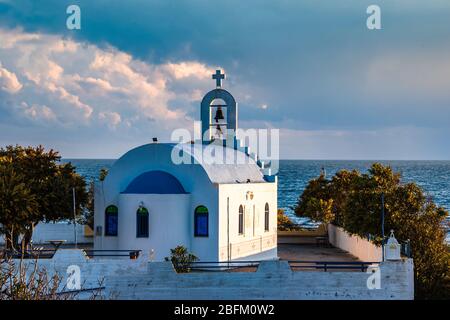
[382, 224]
[74, 218]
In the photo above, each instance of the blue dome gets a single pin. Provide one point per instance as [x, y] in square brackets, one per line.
[155, 182]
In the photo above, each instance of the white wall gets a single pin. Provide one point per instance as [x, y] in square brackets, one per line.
[139, 279]
[44, 232]
[101, 241]
[92, 271]
[361, 248]
[59, 231]
[255, 239]
[169, 223]
[272, 280]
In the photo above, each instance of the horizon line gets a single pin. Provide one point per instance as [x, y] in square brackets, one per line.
[288, 159]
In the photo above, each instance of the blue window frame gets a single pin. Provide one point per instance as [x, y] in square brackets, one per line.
[142, 223]
[111, 221]
[201, 221]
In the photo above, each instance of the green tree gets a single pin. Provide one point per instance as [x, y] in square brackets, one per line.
[353, 201]
[17, 203]
[49, 182]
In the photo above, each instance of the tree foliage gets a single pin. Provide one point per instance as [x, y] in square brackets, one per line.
[181, 259]
[284, 223]
[35, 187]
[88, 217]
[17, 203]
[352, 200]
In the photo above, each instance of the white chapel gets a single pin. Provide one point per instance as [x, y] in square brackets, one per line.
[220, 210]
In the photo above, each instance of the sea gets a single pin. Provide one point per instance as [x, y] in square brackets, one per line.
[293, 177]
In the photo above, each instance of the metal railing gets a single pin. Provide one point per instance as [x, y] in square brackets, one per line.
[49, 253]
[132, 254]
[219, 266]
[78, 291]
[295, 265]
[29, 254]
[331, 265]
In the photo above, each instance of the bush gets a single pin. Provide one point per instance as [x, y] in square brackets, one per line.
[284, 223]
[20, 280]
[17, 283]
[181, 259]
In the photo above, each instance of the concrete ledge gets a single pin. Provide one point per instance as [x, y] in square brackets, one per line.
[72, 255]
[279, 268]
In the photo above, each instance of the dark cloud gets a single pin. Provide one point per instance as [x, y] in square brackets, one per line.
[313, 63]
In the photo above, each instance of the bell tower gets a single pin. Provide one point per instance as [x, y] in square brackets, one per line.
[219, 114]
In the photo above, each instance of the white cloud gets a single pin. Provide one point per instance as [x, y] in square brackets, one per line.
[189, 69]
[85, 85]
[112, 119]
[9, 81]
[38, 112]
[15, 37]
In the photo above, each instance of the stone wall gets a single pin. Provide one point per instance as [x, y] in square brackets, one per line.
[140, 279]
[361, 248]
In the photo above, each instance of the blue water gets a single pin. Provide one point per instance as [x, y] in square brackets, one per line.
[432, 176]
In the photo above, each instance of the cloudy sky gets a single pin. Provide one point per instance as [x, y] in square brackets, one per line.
[138, 69]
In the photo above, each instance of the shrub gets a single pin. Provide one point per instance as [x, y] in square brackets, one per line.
[17, 283]
[284, 223]
[181, 259]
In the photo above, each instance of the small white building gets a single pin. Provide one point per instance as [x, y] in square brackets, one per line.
[220, 210]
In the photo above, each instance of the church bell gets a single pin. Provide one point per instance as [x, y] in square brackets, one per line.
[219, 130]
[219, 114]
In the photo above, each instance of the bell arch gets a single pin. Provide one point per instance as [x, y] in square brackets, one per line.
[206, 109]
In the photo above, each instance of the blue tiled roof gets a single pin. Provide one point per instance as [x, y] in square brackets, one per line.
[155, 182]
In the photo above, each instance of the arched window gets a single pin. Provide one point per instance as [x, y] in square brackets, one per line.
[142, 223]
[111, 220]
[266, 217]
[201, 221]
[241, 220]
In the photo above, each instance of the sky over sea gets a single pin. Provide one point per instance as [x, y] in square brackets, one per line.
[138, 69]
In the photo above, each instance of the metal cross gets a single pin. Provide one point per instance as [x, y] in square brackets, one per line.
[218, 76]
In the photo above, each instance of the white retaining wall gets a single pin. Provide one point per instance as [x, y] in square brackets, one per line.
[57, 231]
[272, 280]
[140, 279]
[361, 248]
